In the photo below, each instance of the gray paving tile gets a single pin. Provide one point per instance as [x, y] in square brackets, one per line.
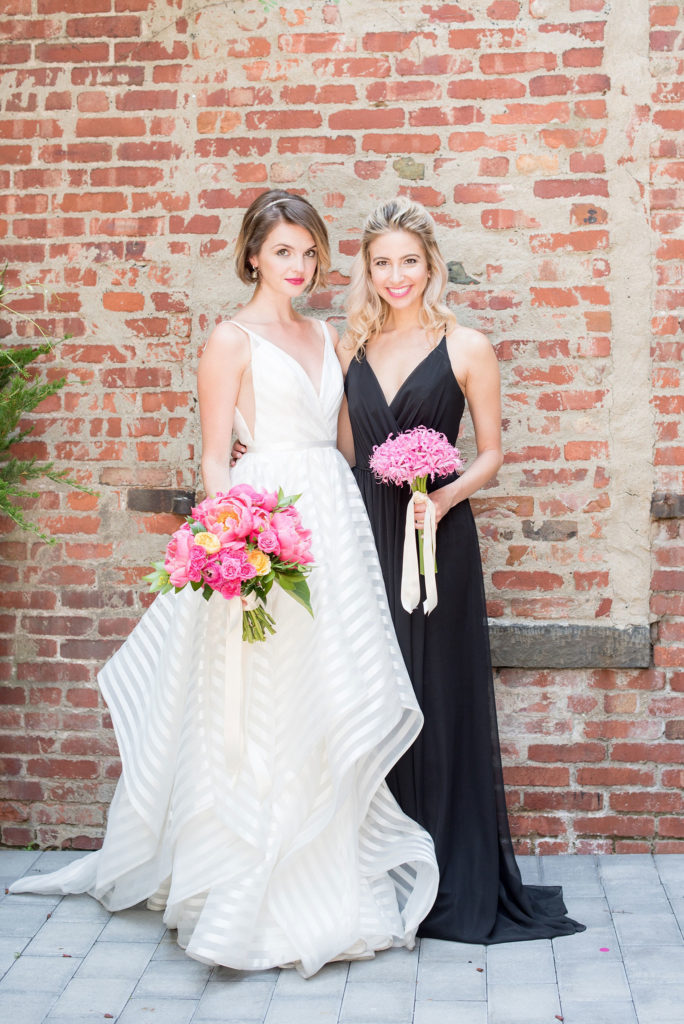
[596, 943]
[624, 873]
[72, 938]
[117, 960]
[640, 929]
[173, 979]
[366, 1001]
[606, 1013]
[135, 925]
[654, 965]
[53, 860]
[389, 965]
[10, 948]
[522, 1004]
[233, 1002]
[18, 862]
[677, 904]
[229, 976]
[158, 1011]
[22, 917]
[455, 952]
[168, 948]
[444, 981]
[578, 875]
[450, 1013]
[81, 908]
[519, 962]
[296, 1010]
[670, 868]
[659, 1005]
[40, 974]
[600, 981]
[329, 981]
[92, 998]
[27, 1007]
[631, 902]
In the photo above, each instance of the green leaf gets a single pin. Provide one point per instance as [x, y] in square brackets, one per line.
[297, 587]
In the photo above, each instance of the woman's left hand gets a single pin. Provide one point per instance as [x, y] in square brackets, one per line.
[440, 500]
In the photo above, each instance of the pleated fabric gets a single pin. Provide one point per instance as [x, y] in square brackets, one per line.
[300, 855]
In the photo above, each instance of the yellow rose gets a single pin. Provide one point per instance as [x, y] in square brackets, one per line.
[260, 561]
[209, 542]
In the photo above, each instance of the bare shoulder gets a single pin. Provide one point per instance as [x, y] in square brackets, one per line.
[227, 343]
[469, 343]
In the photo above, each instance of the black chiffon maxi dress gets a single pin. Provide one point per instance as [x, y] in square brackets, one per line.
[450, 780]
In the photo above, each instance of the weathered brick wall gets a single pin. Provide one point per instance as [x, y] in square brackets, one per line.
[543, 136]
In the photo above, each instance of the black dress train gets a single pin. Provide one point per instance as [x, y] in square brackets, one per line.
[450, 780]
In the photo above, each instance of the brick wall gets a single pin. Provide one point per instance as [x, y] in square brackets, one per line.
[543, 136]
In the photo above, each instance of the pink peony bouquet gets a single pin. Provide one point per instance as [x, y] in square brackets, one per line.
[238, 545]
[410, 458]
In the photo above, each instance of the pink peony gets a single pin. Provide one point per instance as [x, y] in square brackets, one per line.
[257, 499]
[294, 540]
[227, 518]
[177, 559]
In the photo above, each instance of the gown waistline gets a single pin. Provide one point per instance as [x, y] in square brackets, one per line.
[286, 446]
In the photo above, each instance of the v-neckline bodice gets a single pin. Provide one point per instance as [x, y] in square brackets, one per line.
[406, 379]
[316, 390]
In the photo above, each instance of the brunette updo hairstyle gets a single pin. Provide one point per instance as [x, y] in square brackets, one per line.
[269, 209]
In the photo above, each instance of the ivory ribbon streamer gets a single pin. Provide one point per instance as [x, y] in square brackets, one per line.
[232, 690]
[410, 577]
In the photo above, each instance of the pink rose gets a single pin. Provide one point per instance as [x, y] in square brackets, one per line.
[267, 541]
[197, 563]
[212, 575]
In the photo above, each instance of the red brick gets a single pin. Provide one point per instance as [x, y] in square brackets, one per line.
[342, 144]
[615, 825]
[74, 53]
[147, 99]
[516, 63]
[484, 89]
[350, 119]
[150, 50]
[566, 753]
[533, 113]
[103, 28]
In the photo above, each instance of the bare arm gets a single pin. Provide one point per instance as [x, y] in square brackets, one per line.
[474, 358]
[345, 440]
[225, 357]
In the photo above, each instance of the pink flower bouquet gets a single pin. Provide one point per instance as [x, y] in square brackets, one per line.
[410, 458]
[238, 545]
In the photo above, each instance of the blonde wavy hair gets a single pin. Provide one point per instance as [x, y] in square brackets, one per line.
[366, 310]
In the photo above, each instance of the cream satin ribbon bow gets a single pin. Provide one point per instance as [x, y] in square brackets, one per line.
[410, 577]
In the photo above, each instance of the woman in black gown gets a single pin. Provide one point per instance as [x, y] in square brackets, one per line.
[409, 364]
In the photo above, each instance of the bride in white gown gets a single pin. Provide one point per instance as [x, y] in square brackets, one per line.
[255, 814]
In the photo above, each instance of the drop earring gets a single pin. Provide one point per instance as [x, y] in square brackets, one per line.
[255, 273]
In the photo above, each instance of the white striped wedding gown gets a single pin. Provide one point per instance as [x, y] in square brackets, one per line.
[296, 853]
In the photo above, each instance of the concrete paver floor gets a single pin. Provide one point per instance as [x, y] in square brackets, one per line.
[66, 960]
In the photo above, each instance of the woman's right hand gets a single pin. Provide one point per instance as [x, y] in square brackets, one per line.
[237, 452]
